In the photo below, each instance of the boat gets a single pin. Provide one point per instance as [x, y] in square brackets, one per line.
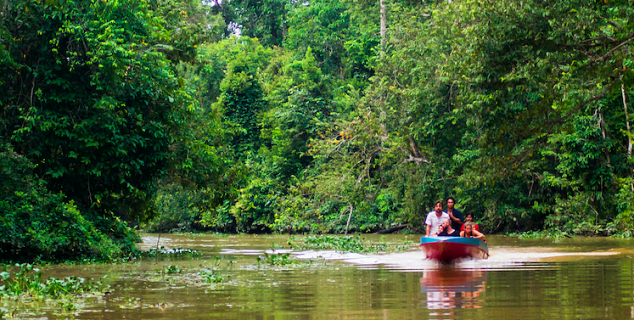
[448, 249]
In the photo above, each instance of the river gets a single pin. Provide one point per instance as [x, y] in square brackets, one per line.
[579, 278]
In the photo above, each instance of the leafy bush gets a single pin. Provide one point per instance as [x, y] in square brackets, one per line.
[36, 224]
[624, 224]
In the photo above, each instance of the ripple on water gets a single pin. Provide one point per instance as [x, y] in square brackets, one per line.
[574, 279]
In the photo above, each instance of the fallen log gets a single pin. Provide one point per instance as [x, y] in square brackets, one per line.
[393, 229]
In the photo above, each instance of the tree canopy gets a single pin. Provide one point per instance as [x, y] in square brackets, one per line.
[274, 116]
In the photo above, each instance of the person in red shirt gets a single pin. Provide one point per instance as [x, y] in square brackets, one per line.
[469, 217]
[469, 232]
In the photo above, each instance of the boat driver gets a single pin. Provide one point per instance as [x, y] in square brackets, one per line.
[435, 219]
[454, 214]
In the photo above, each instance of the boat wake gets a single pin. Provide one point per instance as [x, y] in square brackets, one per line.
[499, 259]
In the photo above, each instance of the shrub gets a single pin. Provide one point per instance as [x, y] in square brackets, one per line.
[36, 224]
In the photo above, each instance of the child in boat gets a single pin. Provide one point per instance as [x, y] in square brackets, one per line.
[470, 232]
[469, 217]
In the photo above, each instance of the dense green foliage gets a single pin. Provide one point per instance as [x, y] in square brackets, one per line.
[37, 224]
[259, 116]
[91, 97]
[517, 109]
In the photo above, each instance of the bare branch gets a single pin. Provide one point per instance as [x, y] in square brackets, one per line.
[612, 23]
[411, 158]
[613, 49]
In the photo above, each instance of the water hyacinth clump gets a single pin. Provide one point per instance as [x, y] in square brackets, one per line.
[347, 244]
[275, 259]
[165, 253]
[27, 282]
[171, 269]
[332, 242]
[208, 275]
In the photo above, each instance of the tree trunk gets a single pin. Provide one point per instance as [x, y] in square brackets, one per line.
[412, 144]
[383, 24]
[629, 132]
[393, 229]
[283, 27]
[603, 133]
[349, 217]
[627, 124]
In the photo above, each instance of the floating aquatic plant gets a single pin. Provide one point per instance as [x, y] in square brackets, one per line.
[28, 282]
[348, 244]
[210, 276]
[275, 259]
[179, 253]
[170, 269]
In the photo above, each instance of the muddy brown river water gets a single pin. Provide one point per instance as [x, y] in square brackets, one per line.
[579, 278]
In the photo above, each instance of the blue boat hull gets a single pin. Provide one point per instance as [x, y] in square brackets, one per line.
[447, 249]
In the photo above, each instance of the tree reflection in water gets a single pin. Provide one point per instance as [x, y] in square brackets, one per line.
[449, 288]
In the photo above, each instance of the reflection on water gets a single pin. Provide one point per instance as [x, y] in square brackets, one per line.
[450, 288]
[587, 283]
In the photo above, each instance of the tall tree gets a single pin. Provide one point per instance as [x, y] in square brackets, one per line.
[262, 19]
[91, 97]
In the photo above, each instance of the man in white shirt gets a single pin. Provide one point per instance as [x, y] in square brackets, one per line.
[435, 219]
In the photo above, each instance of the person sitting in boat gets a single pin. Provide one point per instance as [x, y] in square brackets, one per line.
[454, 214]
[470, 232]
[469, 217]
[435, 219]
[446, 230]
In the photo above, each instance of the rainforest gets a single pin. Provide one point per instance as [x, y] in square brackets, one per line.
[309, 117]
